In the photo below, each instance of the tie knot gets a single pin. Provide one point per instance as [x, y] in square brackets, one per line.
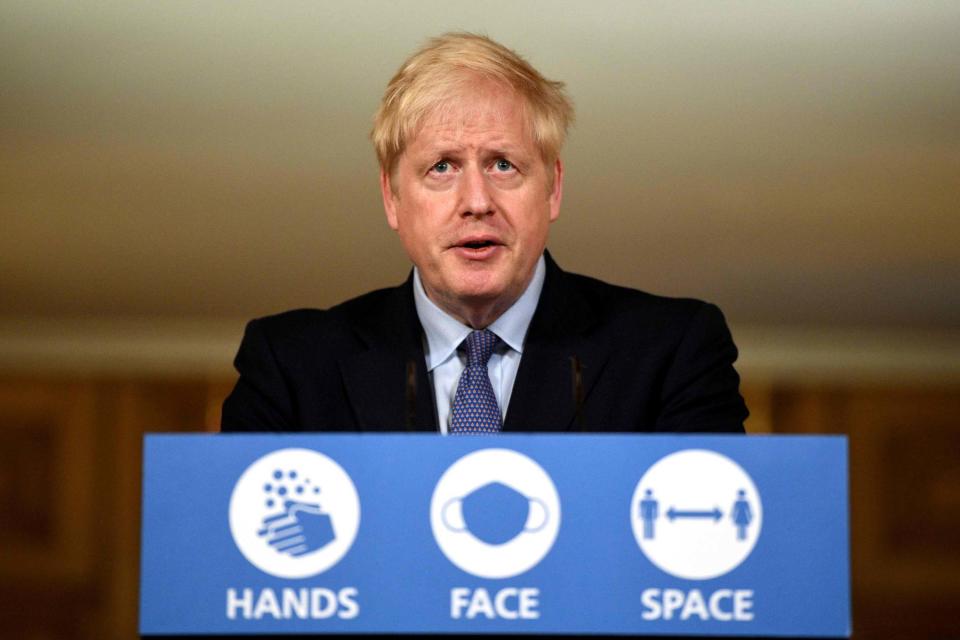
[480, 346]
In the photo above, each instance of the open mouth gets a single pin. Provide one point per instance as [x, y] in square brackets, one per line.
[479, 244]
[478, 247]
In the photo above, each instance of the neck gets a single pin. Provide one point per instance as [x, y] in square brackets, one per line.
[478, 312]
[475, 315]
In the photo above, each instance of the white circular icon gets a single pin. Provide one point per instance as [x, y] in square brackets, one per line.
[495, 513]
[696, 514]
[294, 513]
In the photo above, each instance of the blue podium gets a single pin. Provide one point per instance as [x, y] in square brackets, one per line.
[536, 534]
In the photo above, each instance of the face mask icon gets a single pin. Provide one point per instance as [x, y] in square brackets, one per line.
[495, 513]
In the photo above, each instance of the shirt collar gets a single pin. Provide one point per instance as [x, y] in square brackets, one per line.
[445, 333]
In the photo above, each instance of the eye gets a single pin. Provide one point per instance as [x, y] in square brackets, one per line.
[503, 165]
[441, 167]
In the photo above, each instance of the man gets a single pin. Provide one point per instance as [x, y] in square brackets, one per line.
[487, 333]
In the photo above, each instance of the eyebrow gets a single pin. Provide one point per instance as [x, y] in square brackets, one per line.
[442, 150]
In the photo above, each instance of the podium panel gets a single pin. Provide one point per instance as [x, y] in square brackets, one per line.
[540, 534]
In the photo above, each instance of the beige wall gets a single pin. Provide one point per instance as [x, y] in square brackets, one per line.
[795, 163]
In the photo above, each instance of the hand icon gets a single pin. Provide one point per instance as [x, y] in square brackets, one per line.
[300, 529]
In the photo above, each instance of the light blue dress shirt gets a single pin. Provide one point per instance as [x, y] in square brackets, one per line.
[443, 334]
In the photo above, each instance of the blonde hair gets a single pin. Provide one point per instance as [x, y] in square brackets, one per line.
[443, 69]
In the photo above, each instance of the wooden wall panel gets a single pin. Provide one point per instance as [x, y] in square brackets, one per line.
[70, 461]
[70, 455]
[905, 487]
[48, 506]
[139, 407]
[904, 494]
[48, 447]
[759, 399]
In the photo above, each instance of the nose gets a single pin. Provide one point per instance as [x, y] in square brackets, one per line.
[475, 199]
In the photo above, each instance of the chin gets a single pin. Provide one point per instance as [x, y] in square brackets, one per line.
[479, 287]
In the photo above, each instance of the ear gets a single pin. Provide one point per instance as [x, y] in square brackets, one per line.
[389, 199]
[556, 193]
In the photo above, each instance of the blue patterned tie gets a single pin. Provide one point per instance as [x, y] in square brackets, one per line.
[475, 408]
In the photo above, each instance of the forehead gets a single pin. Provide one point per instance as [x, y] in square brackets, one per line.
[476, 116]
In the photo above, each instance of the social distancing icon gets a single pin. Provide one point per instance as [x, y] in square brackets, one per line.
[696, 514]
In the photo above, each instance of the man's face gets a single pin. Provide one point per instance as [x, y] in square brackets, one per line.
[472, 201]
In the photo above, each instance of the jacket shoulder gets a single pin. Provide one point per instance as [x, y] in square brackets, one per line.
[617, 304]
[679, 348]
[333, 327]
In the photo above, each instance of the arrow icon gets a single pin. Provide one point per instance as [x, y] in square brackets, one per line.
[673, 513]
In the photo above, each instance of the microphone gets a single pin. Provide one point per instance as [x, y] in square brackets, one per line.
[576, 378]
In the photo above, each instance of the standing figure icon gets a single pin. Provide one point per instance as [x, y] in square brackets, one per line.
[677, 508]
[649, 511]
[741, 515]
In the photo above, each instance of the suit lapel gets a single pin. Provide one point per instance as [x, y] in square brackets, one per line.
[543, 393]
[376, 380]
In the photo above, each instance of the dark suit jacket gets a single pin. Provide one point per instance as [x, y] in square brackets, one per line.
[646, 364]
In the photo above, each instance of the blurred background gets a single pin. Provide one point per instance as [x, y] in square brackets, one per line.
[170, 170]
